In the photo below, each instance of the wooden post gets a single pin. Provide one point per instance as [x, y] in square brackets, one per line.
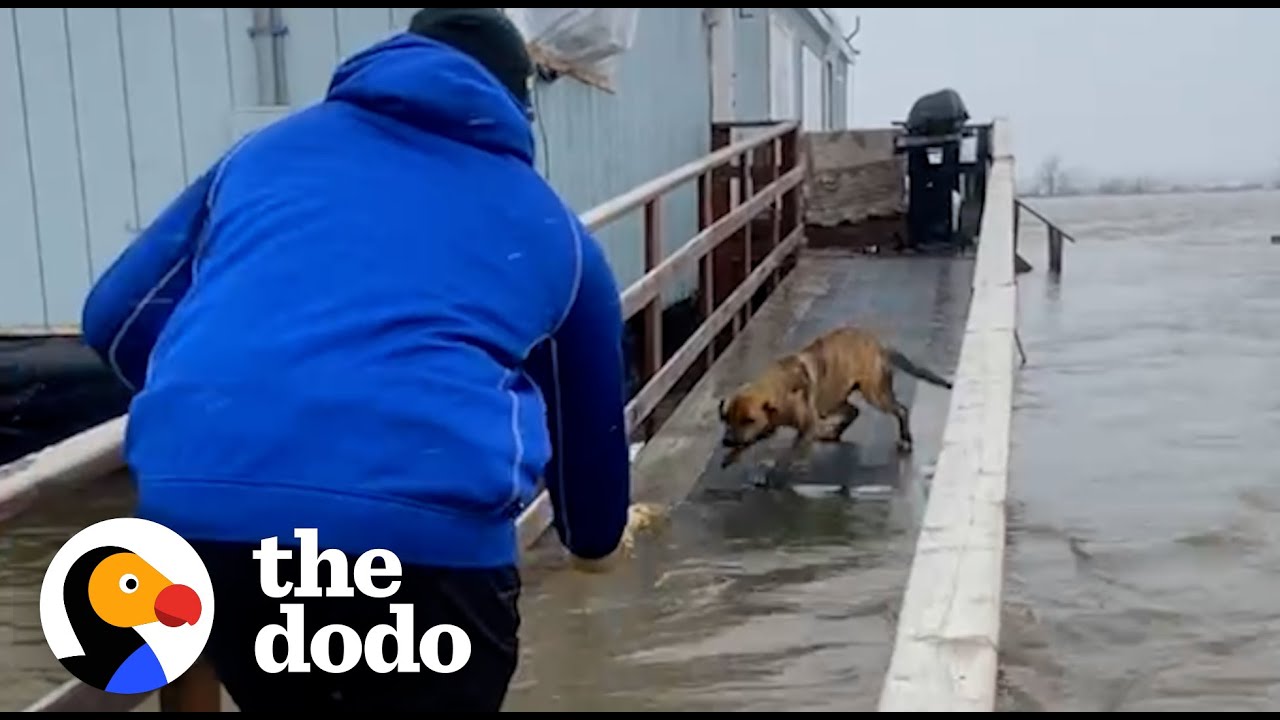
[1055, 250]
[652, 361]
[776, 170]
[1017, 223]
[706, 278]
[791, 199]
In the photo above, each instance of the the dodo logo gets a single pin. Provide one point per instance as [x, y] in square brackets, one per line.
[126, 605]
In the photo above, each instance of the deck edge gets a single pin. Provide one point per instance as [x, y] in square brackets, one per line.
[945, 652]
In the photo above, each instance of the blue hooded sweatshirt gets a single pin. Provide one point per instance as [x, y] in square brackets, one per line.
[374, 318]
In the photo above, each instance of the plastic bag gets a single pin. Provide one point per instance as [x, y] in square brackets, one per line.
[583, 42]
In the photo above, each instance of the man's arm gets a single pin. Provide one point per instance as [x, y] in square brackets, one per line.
[580, 372]
[129, 305]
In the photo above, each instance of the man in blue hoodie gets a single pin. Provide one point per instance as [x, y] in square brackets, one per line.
[375, 319]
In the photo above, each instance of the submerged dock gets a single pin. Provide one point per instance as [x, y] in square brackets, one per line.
[925, 529]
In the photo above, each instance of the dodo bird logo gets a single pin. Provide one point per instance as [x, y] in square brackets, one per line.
[126, 605]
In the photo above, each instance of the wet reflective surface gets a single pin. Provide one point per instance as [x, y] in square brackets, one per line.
[28, 669]
[1144, 553]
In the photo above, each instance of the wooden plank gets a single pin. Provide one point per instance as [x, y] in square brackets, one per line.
[1055, 250]
[649, 286]
[613, 209]
[681, 361]
[39, 331]
[651, 360]
[945, 651]
[85, 456]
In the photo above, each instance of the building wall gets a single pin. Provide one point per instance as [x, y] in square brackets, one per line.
[595, 145]
[105, 113]
[754, 41]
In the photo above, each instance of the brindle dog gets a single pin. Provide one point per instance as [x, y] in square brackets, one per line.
[809, 392]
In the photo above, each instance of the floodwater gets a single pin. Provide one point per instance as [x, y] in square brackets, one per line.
[1144, 543]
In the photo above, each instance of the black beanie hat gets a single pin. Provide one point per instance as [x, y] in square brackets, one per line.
[487, 36]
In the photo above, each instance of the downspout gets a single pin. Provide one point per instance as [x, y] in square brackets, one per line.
[267, 34]
[278, 32]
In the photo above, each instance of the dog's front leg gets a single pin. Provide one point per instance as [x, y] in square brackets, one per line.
[731, 456]
[807, 432]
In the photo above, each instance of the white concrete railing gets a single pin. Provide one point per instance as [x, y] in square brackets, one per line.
[945, 653]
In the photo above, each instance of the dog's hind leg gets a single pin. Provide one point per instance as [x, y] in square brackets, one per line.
[838, 422]
[883, 399]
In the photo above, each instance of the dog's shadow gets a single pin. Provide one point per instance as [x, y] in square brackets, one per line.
[834, 468]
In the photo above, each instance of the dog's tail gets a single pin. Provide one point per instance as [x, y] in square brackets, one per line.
[903, 363]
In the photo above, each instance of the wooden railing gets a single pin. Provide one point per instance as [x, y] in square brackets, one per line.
[749, 210]
[1055, 235]
[728, 276]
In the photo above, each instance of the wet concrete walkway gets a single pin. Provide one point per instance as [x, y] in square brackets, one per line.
[750, 599]
[747, 599]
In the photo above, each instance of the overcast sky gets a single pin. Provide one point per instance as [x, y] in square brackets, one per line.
[1183, 94]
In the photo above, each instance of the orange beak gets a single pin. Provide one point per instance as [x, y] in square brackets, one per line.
[178, 605]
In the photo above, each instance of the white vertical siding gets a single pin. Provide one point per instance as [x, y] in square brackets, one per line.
[105, 113]
[782, 69]
[57, 190]
[814, 110]
[20, 276]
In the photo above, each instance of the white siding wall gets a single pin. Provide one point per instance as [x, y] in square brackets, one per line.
[815, 107]
[105, 113]
[782, 70]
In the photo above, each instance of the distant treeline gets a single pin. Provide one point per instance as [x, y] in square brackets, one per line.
[1053, 180]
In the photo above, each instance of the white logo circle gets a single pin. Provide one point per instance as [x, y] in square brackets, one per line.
[127, 620]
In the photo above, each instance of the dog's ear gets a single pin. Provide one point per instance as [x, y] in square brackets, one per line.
[720, 409]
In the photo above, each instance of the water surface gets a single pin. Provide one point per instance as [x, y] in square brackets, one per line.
[1144, 551]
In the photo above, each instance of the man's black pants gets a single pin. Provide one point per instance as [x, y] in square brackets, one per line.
[482, 602]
